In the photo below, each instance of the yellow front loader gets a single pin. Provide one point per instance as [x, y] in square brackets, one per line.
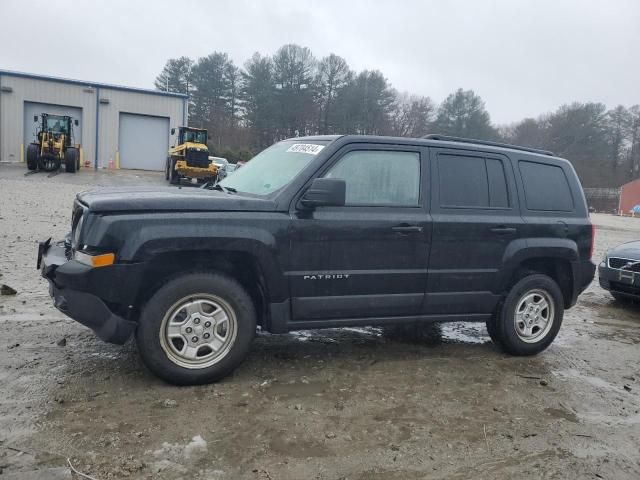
[54, 145]
[189, 157]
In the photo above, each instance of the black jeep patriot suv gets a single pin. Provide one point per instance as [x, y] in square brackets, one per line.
[328, 231]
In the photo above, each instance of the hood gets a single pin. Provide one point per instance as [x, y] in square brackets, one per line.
[630, 250]
[184, 199]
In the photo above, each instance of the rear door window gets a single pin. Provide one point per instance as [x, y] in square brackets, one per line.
[545, 187]
[472, 182]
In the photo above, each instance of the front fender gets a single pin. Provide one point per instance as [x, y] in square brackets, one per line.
[140, 238]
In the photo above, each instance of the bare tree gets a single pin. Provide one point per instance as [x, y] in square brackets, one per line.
[634, 140]
[412, 115]
[332, 77]
[294, 71]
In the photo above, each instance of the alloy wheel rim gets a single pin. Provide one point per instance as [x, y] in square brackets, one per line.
[534, 316]
[198, 331]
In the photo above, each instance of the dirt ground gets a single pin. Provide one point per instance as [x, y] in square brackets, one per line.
[336, 404]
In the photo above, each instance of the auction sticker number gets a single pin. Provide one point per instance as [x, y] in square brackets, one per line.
[309, 148]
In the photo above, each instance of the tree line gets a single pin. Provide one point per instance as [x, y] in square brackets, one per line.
[292, 93]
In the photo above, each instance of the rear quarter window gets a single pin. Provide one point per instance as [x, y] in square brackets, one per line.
[546, 187]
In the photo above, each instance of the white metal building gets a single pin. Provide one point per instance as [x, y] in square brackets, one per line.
[119, 126]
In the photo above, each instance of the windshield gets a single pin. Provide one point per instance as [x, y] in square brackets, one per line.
[274, 167]
[195, 136]
[56, 125]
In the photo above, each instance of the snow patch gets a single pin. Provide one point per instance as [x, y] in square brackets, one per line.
[197, 446]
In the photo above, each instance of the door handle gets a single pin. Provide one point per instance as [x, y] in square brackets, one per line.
[407, 229]
[502, 230]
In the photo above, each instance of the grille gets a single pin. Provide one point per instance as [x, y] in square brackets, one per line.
[624, 264]
[197, 159]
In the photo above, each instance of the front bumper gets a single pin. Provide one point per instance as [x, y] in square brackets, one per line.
[623, 282]
[88, 295]
[196, 172]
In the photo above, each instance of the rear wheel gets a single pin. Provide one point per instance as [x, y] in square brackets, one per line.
[531, 316]
[167, 168]
[196, 329]
[71, 159]
[32, 156]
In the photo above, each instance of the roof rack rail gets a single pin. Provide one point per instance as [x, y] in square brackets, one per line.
[447, 138]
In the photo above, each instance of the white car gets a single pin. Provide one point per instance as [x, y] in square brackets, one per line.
[222, 164]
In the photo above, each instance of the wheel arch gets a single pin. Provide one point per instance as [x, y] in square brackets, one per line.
[240, 265]
[552, 257]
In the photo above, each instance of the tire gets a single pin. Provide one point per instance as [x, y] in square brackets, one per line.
[532, 292]
[166, 169]
[179, 359]
[174, 176]
[71, 159]
[32, 156]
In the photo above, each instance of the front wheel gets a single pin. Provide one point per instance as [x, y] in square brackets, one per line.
[32, 156]
[196, 329]
[531, 315]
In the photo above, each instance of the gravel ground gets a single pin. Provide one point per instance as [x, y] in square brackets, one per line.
[335, 404]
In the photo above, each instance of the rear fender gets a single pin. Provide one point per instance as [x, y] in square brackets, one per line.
[523, 250]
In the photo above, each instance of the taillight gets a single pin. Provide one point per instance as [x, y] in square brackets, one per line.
[593, 240]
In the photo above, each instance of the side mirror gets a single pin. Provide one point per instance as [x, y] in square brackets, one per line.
[76, 123]
[173, 131]
[325, 192]
[35, 118]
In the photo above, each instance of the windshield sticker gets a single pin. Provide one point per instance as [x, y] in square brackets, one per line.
[309, 148]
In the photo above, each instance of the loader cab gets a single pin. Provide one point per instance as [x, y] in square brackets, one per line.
[190, 135]
[56, 125]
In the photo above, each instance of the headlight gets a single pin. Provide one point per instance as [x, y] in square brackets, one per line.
[101, 260]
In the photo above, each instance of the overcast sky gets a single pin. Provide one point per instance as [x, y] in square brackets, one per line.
[523, 57]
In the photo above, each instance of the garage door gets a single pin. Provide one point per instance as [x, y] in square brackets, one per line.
[32, 108]
[144, 141]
